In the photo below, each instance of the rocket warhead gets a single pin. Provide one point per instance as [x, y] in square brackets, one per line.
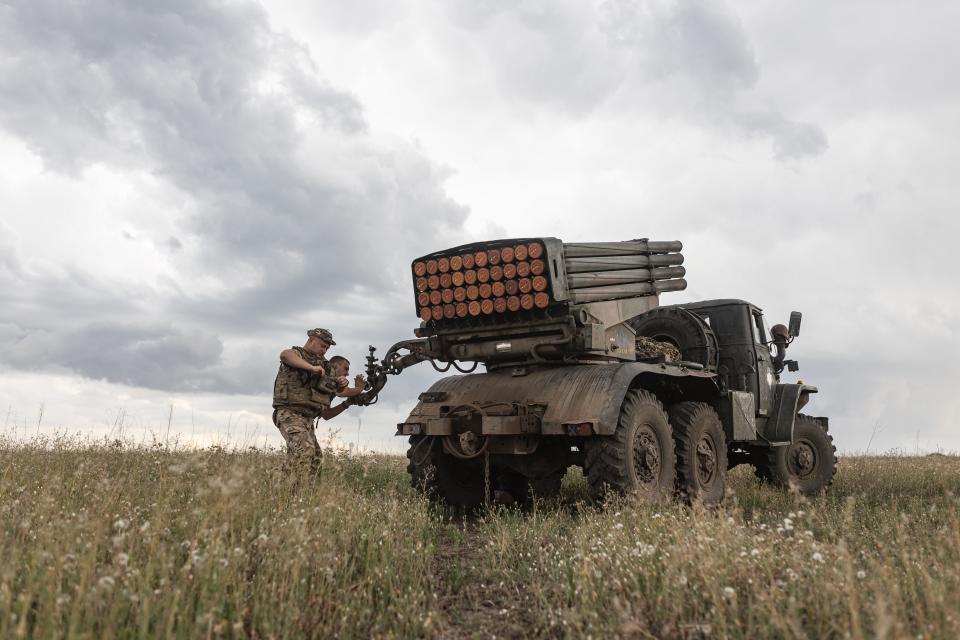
[525, 279]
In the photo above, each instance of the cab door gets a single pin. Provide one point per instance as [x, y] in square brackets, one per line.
[766, 379]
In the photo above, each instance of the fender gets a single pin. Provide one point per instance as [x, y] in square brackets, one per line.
[788, 399]
[563, 397]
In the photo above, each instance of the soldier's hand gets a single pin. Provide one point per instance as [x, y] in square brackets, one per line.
[318, 370]
[342, 381]
[359, 382]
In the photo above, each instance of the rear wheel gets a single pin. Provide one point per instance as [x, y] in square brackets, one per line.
[701, 452]
[459, 483]
[807, 464]
[638, 459]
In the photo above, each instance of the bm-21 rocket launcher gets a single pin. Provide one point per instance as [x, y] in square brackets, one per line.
[557, 326]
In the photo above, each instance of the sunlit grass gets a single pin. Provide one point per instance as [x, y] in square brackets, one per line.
[116, 541]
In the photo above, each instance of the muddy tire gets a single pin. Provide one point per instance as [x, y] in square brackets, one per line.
[807, 465]
[459, 483]
[701, 452]
[638, 459]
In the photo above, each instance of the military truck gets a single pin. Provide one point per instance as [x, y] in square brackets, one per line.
[584, 367]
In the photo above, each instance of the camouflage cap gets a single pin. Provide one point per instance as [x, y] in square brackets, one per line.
[323, 334]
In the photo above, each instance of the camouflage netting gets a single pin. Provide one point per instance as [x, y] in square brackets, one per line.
[648, 348]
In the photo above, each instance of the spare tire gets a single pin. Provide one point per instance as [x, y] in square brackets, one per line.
[683, 329]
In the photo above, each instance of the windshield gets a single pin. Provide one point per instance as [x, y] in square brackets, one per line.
[761, 332]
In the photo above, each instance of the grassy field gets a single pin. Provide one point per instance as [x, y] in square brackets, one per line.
[111, 541]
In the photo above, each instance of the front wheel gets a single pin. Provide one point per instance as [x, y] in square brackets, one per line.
[807, 465]
[638, 459]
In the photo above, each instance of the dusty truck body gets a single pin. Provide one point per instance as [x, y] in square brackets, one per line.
[584, 367]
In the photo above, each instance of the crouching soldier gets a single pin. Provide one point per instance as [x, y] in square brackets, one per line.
[305, 386]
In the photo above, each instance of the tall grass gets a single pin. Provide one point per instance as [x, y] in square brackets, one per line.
[113, 541]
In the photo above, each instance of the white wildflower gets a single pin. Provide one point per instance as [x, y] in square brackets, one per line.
[861, 574]
[121, 524]
[754, 553]
[729, 593]
[122, 559]
[106, 583]
[817, 557]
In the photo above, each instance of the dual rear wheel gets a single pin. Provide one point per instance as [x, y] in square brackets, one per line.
[656, 455]
[460, 483]
[682, 452]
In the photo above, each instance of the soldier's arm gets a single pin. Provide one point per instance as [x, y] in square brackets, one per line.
[333, 412]
[293, 359]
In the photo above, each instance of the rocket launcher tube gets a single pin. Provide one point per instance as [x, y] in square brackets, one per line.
[626, 276]
[592, 249]
[615, 292]
[611, 263]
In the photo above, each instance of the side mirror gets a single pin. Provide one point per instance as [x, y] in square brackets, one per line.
[794, 329]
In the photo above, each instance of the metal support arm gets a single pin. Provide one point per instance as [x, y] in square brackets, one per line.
[392, 364]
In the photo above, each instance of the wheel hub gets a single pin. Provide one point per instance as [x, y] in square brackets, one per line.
[803, 458]
[706, 460]
[646, 455]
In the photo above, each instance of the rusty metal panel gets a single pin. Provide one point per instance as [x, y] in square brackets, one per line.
[571, 394]
[501, 425]
[439, 427]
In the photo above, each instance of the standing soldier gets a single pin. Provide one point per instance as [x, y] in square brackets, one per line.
[305, 386]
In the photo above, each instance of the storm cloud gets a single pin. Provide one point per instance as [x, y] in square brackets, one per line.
[681, 58]
[278, 188]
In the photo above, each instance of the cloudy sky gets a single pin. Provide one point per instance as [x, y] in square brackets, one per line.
[187, 185]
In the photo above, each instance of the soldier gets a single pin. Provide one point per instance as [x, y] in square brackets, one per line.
[341, 369]
[306, 384]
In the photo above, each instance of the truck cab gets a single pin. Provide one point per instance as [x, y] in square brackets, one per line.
[745, 362]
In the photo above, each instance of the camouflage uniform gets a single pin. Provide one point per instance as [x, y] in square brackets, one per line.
[299, 398]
